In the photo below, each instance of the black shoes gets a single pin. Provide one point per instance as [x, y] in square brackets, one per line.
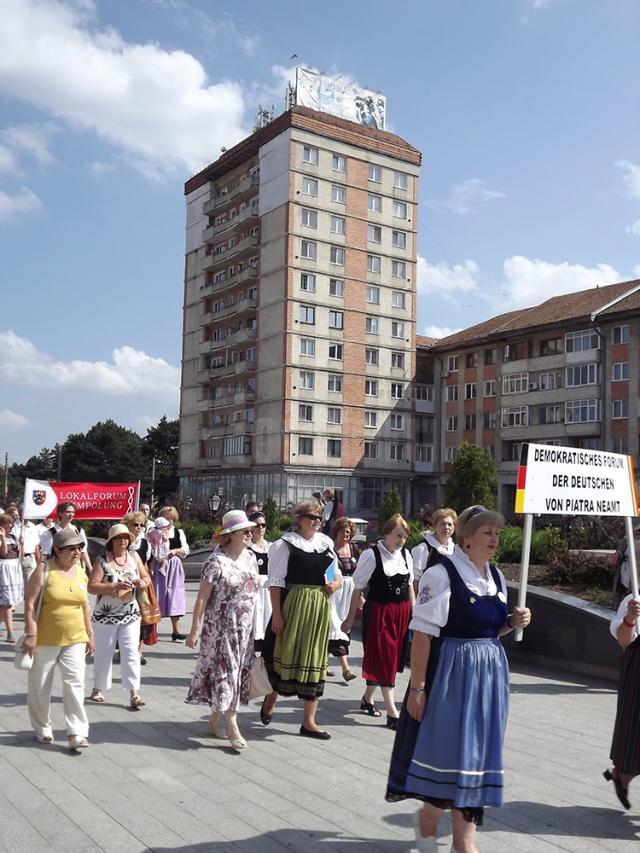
[316, 735]
[348, 675]
[622, 793]
[392, 723]
[265, 719]
[369, 708]
[176, 638]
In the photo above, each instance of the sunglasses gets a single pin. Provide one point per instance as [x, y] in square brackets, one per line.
[313, 517]
[137, 524]
[260, 524]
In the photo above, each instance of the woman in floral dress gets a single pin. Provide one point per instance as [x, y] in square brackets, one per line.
[227, 600]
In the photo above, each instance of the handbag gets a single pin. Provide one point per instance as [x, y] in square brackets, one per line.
[148, 604]
[260, 684]
[24, 660]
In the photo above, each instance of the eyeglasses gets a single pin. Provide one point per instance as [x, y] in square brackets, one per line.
[313, 517]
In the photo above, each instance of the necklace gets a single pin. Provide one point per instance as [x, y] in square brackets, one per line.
[115, 560]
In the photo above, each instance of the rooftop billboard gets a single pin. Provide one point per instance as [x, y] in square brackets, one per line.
[340, 97]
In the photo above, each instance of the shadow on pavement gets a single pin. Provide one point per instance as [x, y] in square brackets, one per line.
[569, 821]
[289, 839]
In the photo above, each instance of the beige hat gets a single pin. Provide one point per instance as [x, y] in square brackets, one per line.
[67, 537]
[235, 519]
[119, 530]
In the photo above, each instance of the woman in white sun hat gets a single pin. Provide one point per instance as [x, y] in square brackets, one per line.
[226, 600]
[116, 617]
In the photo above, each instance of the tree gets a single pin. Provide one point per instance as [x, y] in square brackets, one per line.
[270, 512]
[391, 505]
[107, 453]
[472, 479]
[161, 443]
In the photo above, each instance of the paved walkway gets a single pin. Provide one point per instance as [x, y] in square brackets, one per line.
[153, 781]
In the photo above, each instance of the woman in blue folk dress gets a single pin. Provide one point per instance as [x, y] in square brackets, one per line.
[448, 746]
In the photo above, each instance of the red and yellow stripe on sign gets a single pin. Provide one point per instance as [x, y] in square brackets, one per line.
[632, 480]
[522, 478]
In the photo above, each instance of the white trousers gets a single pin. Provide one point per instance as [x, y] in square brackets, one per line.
[71, 662]
[127, 637]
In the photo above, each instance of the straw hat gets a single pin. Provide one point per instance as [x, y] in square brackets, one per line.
[119, 530]
[235, 519]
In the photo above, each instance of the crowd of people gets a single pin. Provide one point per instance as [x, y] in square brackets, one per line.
[269, 615]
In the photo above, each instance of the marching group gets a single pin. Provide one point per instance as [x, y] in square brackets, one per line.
[268, 616]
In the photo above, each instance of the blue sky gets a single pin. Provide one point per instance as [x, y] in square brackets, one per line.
[526, 112]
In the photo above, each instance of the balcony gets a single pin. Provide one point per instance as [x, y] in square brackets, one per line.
[242, 336]
[247, 214]
[218, 200]
[214, 262]
[247, 274]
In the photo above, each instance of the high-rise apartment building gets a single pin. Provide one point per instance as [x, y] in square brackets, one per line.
[299, 315]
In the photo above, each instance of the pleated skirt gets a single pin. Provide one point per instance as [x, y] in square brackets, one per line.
[454, 755]
[625, 748]
[385, 636]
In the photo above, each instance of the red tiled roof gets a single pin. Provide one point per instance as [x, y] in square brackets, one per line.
[425, 342]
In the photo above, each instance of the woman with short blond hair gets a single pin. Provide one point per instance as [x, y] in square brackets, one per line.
[437, 542]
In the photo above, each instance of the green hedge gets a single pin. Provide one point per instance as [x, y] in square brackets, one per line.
[543, 543]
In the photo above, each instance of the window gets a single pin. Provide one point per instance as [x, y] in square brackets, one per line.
[374, 234]
[334, 448]
[620, 444]
[490, 388]
[305, 445]
[469, 422]
[452, 393]
[515, 352]
[471, 359]
[396, 422]
[335, 352]
[338, 225]
[373, 295]
[424, 453]
[452, 363]
[399, 239]
[307, 346]
[548, 381]
[371, 387]
[398, 269]
[399, 210]
[397, 390]
[337, 256]
[374, 203]
[307, 380]
[336, 287]
[375, 173]
[397, 329]
[515, 416]
[470, 391]
[309, 186]
[305, 413]
[515, 383]
[619, 409]
[424, 392]
[371, 450]
[550, 414]
[400, 180]
[338, 163]
[489, 420]
[397, 359]
[371, 325]
[334, 415]
[451, 453]
[334, 383]
[307, 314]
[336, 320]
[511, 451]
[236, 445]
[372, 357]
[309, 217]
[397, 452]
[309, 250]
[620, 335]
[338, 194]
[582, 411]
[370, 419]
[308, 282]
[490, 356]
[582, 341]
[452, 423]
[551, 346]
[620, 371]
[582, 374]
[310, 155]
[374, 263]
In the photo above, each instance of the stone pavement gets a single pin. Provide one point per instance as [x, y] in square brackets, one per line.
[153, 781]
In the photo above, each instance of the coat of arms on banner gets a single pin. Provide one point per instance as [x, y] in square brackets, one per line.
[38, 496]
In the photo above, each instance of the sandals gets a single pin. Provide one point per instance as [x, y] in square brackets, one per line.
[136, 702]
[96, 696]
[369, 708]
[77, 742]
[348, 676]
[238, 743]
[216, 729]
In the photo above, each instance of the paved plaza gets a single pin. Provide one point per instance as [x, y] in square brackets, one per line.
[153, 781]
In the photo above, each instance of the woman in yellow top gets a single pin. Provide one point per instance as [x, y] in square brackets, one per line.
[61, 635]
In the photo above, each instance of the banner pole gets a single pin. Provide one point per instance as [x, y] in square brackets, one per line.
[138, 497]
[524, 569]
[628, 523]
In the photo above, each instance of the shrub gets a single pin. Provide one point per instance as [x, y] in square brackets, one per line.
[284, 522]
[510, 545]
[390, 505]
[415, 534]
[576, 568]
[273, 534]
[197, 532]
[543, 543]
[270, 512]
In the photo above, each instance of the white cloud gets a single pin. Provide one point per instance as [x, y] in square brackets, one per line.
[630, 176]
[131, 371]
[157, 107]
[467, 196]
[12, 420]
[634, 228]
[99, 169]
[438, 331]
[445, 280]
[32, 138]
[25, 201]
[528, 281]
[7, 159]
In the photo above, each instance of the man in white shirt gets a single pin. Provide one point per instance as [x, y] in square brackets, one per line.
[29, 541]
[46, 530]
[146, 509]
[66, 513]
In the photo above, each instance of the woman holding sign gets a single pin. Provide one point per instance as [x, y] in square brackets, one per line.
[448, 746]
[625, 749]
[302, 576]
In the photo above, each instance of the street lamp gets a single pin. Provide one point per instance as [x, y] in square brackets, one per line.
[214, 503]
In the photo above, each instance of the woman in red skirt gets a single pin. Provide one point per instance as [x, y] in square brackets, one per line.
[386, 570]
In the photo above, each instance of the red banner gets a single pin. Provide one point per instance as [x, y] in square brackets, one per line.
[98, 500]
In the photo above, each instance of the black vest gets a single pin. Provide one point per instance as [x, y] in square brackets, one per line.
[307, 568]
[385, 589]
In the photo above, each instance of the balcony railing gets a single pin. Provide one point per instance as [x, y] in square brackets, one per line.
[218, 200]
